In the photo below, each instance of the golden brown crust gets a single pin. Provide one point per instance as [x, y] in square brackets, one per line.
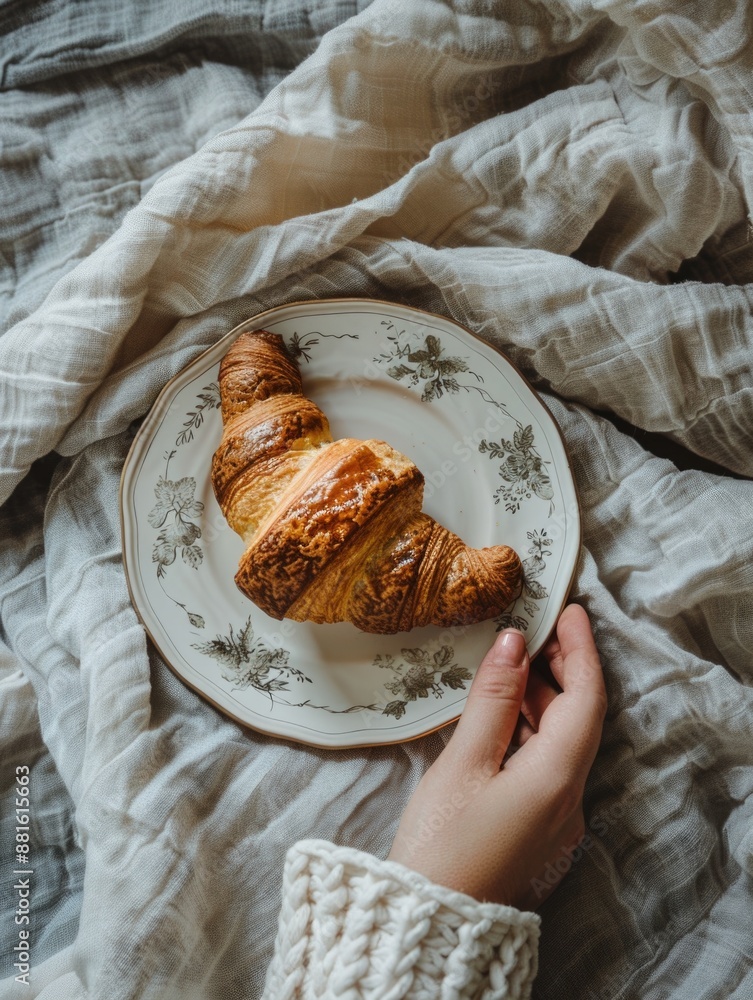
[254, 368]
[346, 486]
[387, 603]
[271, 427]
[374, 601]
[334, 529]
[477, 583]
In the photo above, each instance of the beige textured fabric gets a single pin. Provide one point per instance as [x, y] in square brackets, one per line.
[357, 928]
[570, 180]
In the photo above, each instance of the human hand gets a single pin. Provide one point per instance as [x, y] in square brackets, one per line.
[487, 829]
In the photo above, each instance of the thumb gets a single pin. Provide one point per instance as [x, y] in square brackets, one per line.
[487, 725]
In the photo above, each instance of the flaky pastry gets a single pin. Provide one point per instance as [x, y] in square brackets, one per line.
[334, 530]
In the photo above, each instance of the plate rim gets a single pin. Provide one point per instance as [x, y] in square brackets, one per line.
[234, 333]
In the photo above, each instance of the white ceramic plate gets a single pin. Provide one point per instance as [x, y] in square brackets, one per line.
[496, 471]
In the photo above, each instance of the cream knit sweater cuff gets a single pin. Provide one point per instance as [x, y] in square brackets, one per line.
[352, 926]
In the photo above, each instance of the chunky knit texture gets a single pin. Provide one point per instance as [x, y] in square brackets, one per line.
[357, 928]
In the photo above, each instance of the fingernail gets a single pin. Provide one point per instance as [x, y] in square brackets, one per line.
[514, 644]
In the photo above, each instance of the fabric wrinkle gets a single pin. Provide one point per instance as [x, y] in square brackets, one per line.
[570, 182]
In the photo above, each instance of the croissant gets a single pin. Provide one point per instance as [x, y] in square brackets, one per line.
[334, 529]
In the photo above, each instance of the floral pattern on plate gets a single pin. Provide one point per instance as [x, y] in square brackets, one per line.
[435, 392]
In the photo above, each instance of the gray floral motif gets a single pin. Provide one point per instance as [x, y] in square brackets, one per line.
[426, 365]
[429, 366]
[523, 470]
[419, 674]
[173, 515]
[209, 399]
[250, 662]
[533, 591]
[300, 346]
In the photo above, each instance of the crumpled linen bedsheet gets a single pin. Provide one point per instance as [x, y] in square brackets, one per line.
[572, 181]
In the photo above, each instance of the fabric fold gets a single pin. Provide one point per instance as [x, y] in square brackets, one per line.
[571, 182]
